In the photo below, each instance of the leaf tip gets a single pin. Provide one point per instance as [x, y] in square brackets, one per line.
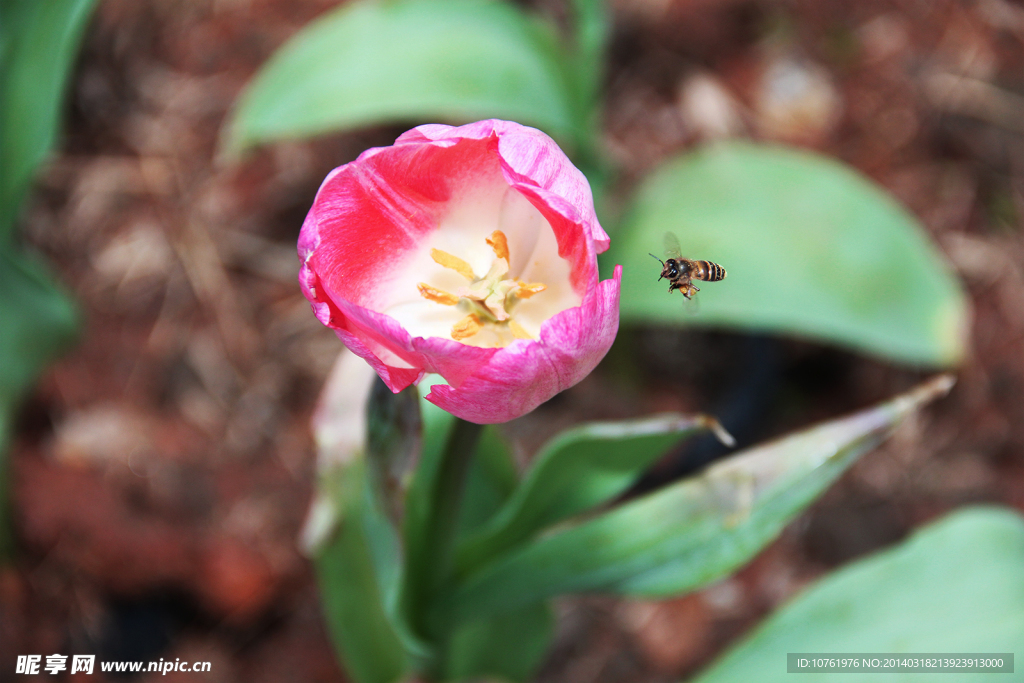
[937, 387]
[231, 145]
[716, 428]
[926, 392]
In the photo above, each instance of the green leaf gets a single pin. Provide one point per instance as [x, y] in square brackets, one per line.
[510, 647]
[38, 323]
[577, 470]
[38, 44]
[408, 60]
[954, 586]
[358, 572]
[591, 32]
[491, 480]
[692, 533]
[811, 248]
[475, 646]
[432, 516]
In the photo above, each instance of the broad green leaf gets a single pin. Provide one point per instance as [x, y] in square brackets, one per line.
[591, 33]
[38, 44]
[357, 571]
[811, 248]
[954, 586]
[577, 470]
[509, 647]
[370, 62]
[692, 533]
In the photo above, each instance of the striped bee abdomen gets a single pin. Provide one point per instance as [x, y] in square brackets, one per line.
[708, 271]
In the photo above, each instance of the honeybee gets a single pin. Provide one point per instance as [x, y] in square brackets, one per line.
[681, 271]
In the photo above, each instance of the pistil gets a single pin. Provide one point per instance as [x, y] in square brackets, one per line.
[487, 300]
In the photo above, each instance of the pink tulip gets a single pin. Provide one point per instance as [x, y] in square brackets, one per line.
[469, 252]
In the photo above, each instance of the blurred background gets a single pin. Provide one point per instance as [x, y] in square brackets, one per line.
[161, 470]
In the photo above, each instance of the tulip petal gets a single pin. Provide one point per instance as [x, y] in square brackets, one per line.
[527, 373]
[366, 249]
[534, 165]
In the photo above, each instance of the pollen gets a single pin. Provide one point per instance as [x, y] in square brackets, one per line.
[525, 291]
[438, 295]
[443, 258]
[499, 243]
[489, 302]
[517, 330]
[467, 327]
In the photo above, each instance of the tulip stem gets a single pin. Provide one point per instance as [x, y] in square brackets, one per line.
[458, 454]
[441, 529]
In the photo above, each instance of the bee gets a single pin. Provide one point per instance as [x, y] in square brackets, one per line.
[680, 272]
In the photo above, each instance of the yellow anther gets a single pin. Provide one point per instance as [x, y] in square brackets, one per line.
[499, 243]
[489, 301]
[466, 327]
[445, 259]
[525, 290]
[517, 330]
[438, 295]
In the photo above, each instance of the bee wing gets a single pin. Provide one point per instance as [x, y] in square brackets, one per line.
[692, 305]
[672, 249]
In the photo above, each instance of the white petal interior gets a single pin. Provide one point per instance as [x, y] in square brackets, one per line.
[483, 208]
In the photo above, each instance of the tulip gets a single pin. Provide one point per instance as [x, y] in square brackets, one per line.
[469, 252]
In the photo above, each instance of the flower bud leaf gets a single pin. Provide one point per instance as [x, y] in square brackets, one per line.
[692, 533]
[393, 444]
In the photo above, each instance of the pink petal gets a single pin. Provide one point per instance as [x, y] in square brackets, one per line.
[372, 215]
[531, 157]
[527, 373]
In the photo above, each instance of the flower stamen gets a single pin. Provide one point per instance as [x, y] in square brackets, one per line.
[443, 258]
[525, 291]
[487, 301]
[499, 243]
[437, 295]
[466, 327]
[517, 330]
